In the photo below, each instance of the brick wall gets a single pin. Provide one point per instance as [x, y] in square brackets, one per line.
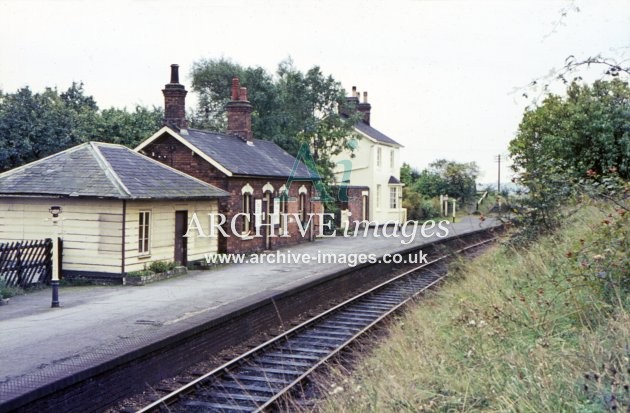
[171, 152]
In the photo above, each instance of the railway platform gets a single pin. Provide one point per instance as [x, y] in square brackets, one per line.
[42, 346]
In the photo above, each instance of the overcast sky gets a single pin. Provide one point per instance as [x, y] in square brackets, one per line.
[440, 74]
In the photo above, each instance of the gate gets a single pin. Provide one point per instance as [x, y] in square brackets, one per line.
[26, 263]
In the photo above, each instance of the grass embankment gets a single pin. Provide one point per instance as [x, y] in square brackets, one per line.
[538, 329]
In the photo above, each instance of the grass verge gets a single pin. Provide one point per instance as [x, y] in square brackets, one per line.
[541, 329]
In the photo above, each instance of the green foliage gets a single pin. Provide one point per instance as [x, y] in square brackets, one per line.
[589, 128]
[514, 330]
[408, 174]
[291, 108]
[421, 189]
[128, 128]
[457, 180]
[162, 266]
[572, 146]
[7, 292]
[35, 125]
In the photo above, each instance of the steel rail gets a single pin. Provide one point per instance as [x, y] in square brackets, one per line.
[335, 335]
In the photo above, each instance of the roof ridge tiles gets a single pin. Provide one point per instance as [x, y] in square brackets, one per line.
[109, 171]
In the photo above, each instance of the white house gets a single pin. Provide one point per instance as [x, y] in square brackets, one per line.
[371, 172]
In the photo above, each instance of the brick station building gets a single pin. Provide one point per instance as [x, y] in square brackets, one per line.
[260, 176]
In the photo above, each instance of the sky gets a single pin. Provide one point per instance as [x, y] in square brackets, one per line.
[445, 78]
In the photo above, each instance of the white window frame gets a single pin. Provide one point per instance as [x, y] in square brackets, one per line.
[144, 232]
[393, 197]
[378, 196]
[391, 159]
[379, 155]
[247, 200]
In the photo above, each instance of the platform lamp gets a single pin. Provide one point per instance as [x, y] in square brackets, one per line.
[55, 211]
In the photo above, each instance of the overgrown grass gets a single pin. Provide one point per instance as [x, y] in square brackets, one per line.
[530, 330]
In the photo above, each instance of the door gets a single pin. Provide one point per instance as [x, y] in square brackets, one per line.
[364, 208]
[181, 242]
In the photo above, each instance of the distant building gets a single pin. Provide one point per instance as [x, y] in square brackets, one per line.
[121, 210]
[259, 176]
[371, 173]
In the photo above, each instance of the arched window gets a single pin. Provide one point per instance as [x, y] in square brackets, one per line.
[302, 202]
[247, 208]
[284, 209]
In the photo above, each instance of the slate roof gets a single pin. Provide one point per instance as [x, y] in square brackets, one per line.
[103, 170]
[393, 180]
[263, 158]
[375, 134]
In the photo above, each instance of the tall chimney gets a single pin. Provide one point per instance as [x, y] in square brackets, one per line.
[175, 101]
[239, 113]
[365, 108]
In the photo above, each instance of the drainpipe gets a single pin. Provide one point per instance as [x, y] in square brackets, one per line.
[124, 225]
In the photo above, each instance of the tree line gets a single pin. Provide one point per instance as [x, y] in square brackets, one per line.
[37, 124]
[291, 108]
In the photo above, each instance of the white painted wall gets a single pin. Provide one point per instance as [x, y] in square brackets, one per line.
[92, 230]
[365, 171]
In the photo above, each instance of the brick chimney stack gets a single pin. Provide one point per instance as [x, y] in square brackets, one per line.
[365, 108]
[353, 101]
[175, 101]
[239, 113]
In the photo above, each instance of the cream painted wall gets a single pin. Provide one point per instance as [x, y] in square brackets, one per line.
[92, 230]
[163, 231]
[364, 171]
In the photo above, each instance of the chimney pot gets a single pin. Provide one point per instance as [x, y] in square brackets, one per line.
[365, 97]
[174, 73]
[239, 113]
[235, 88]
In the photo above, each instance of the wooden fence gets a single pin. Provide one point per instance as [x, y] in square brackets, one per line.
[26, 263]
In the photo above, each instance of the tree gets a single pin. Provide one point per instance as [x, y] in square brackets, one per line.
[448, 177]
[291, 108]
[588, 129]
[34, 125]
[128, 128]
[408, 174]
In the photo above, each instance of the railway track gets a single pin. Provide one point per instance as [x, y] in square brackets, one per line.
[257, 380]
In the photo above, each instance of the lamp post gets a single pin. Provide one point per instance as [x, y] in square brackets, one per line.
[55, 211]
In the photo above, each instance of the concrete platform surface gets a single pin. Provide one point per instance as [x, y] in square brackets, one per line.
[96, 323]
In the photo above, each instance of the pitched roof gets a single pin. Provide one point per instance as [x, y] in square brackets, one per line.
[263, 158]
[103, 170]
[393, 180]
[374, 134]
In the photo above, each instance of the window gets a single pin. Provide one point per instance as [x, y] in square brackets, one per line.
[391, 159]
[247, 210]
[378, 157]
[283, 210]
[144, 225]
[303, 207]
[378, 196]
[393, 197]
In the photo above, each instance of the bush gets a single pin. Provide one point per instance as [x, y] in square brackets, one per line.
[162, 266]
[6, 291]
[430, 208]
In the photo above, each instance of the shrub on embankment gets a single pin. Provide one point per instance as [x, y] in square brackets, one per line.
[539, 329]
